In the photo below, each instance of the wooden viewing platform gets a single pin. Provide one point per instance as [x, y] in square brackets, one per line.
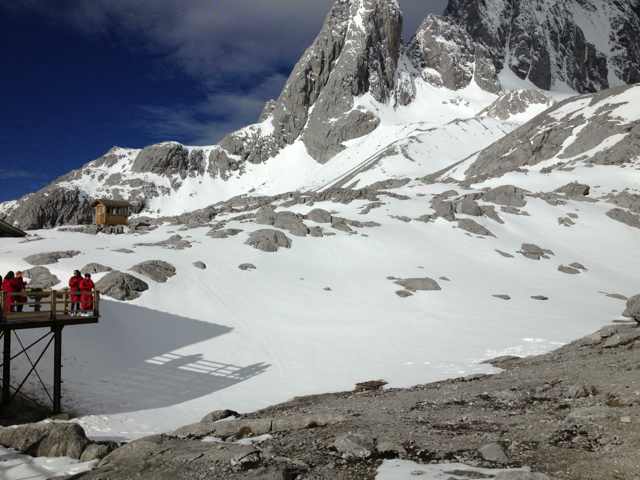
[42, 309]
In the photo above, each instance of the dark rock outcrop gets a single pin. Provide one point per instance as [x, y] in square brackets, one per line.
[121, 286]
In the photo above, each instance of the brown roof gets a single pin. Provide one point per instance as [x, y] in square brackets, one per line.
[111, 203]
[8, 230]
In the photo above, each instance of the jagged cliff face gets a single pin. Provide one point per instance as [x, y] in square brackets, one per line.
[587, 45]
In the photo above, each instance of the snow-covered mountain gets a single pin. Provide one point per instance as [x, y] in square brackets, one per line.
[358, 93]
[400, 212]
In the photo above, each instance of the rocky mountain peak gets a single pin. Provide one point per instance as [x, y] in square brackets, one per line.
[584, 45]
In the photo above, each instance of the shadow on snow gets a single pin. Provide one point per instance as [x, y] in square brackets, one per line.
[126, 362]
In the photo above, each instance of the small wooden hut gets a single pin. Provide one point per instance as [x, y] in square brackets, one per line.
[8, 230]
[112, 212]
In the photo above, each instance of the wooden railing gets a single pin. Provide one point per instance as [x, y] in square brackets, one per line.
[48, 303]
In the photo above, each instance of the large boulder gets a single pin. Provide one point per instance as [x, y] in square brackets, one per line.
[268, 240]
[292, 223]
[633, 308]
[623, 216]
[506, 195]
[50, 257]
[121, 286]
[474, 227]
[266, 215]
[319, 215]
[415, 284]
[156, 270]
[534, 252]
[574, 190]
[46, 439]
[41, 277]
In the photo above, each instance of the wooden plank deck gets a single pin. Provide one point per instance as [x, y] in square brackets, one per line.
[21, 321]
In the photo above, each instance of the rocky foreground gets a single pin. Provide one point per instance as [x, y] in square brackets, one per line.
[570, 414]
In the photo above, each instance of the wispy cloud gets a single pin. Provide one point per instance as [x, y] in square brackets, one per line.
[17, 174]
[237, 49]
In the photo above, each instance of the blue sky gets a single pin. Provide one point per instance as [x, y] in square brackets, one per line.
[80, 76]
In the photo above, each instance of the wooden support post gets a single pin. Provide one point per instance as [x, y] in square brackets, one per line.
[6, 367]
[54, 307]
[57, 369]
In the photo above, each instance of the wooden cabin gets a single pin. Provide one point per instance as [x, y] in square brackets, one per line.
[112, 212]
[8, 230]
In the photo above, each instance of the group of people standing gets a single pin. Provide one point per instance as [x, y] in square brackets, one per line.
[16, 292]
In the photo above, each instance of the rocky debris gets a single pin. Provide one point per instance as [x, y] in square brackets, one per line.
[626, 200]
[41, 277]
[354, 446]
[502, 296]
[224, 233]
[53, 439]
[568, 270]
[316, 232]
[341, 224]
[514, 211]
[404, 293]
[534, 252]
[246, 266]
[292, 223]
[506, 195]
[268, 240]
[266, 215]
[504, 254]
[217, 415]
[574, 190]
[174, 242]
[516, 102]
[124, 250]
[401, 218]
[474, 227]
[468, 206]
[581, 391]
[494, 453]
[566, 221]
[157, 270]
[50, 257]
[633, 308]
[121, 286]
[94, 268]
[200, 265]
[540, 297]
[370, 386]
[319, 215]
[443, 208]
[389, 184]
[169, 159]
[625, 217]
[418, 284]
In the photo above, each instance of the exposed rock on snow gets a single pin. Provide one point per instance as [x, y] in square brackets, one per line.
[630, 201]
[575, 190]
[50, 257]
[633, 308]
[502, 296]
[94, 268]
[121, 286]
[625, 217]
[516, 102]
[41, 277]
[174, 242]
[416, 284]
[506, 195]
[246, 266]
[504, 254]
[200, 265]
[319, 215]
[266, 215]
[540, 297]
[534, 252]
[292, 223]
[156, 270]
[268, 240]
[224, 233]
[568, 270]
[124, 250]
[404, 293]
[474, 227]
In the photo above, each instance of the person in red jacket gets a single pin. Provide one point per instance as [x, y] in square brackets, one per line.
[8, 289]
[74, 287]
[86, 293]
[20, 286]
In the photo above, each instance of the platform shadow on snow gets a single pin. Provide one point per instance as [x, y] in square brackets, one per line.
[125, 363]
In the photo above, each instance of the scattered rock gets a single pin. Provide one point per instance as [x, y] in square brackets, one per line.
[579, 266]
[341, 224]
[121, 286]
[292, 223]
[354, 446]
[218, 415]
[401, 218]
[174, 242]
[123, 250]
[404, 293]
[422, 284]
[50, 257]
[625, 217]
[534, 252]
[566, 222]
[224, 233]
[246, 266]
[474, 227]
[41, 277]
[568, 270]
[502, 297]
[581, 391]
[504, 254]
[247, 461]
[268, 240]
[633, 308]
[574, 190]
[370, 386]
[156, 270]
[468, 206]
[506, 195]
[540, 297]
[319, 215]
[94, 268]
[316, 232]
[200, 265]
[494, 453]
